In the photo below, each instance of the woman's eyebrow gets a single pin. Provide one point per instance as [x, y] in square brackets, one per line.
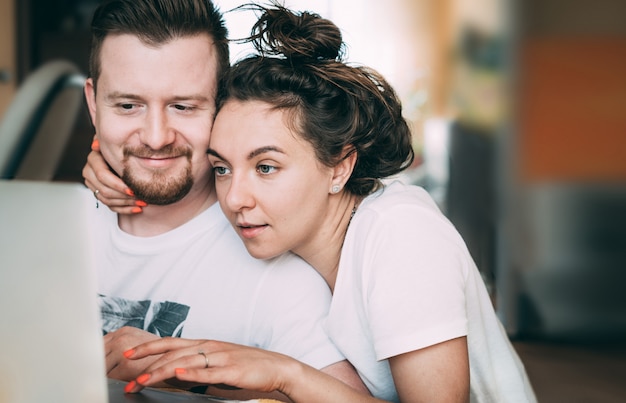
[265, 149]
[253, 153]
[214, 153]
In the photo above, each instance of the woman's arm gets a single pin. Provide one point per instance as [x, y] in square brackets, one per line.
[111, 190]
[439, 373]
[241, 367]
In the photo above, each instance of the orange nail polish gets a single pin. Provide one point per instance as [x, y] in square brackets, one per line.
[130, 386]
[129, 192]
[141, 203]
[143, 378]
[180, 371]
[128, 353]
[136, 210]
[95, 145]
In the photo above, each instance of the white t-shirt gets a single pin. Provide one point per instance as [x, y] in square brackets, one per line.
[198, 281]
[407, 281]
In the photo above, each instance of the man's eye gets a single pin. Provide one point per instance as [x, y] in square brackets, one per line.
[266, 169]
[127, 106]
[183, 107]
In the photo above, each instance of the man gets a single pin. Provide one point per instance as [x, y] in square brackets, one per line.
[178, 268]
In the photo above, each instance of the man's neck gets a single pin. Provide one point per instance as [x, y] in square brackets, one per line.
[157, 220]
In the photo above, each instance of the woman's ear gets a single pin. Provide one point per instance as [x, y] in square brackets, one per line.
[90, 97]
[343, 170]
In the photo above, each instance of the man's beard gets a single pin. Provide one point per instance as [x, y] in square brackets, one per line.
[162, 188]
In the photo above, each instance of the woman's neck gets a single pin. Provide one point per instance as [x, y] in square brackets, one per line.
[324, 250]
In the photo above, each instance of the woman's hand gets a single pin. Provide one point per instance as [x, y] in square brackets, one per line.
[108, 188]
[212, 363]
[120, 340]
[225, 366]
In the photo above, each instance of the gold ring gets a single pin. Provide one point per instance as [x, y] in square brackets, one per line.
[206, 359]
[95, 194]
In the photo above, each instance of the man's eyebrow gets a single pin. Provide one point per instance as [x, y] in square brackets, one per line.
[177, 98]
[121, 95]
[193, 97]
[253, 153]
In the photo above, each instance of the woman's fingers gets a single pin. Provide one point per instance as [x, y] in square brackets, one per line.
[174, 353]
[98, 173]
[161, 346]
[209, 362]
[108, 188]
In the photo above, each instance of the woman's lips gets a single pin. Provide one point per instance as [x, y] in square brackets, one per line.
[251, 231]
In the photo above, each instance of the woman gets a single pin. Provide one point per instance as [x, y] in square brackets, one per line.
[300, 146]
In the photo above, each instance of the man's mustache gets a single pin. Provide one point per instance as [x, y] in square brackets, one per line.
[168, 151]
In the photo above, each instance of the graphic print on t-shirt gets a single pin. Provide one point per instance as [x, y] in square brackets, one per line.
[165, 319]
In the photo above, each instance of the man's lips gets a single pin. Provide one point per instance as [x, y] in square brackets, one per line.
[158, 161]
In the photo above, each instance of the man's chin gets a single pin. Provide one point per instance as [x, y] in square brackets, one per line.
[160, 199]
[160, 192]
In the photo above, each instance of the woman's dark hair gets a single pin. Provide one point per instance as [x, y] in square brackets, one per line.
[156, 22]
[338, 108]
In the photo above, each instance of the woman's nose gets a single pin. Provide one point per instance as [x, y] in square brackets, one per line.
[239, 195]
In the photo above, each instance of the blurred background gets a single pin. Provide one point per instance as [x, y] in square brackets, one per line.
[518, 110]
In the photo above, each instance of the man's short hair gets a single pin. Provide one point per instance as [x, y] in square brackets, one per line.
[156, 22]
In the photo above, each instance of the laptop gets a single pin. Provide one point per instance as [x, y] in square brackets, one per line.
[50, 340]
[51, 346]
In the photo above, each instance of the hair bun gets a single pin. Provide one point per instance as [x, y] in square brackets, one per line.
[305, 35]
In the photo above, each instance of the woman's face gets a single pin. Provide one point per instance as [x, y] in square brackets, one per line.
[269, 182]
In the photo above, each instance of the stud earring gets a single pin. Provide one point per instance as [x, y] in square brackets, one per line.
[335, 189]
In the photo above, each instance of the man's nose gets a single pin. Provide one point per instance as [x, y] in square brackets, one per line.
[157, 132]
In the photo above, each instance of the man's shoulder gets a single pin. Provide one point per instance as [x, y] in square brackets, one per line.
[291, 264]
[288, 273]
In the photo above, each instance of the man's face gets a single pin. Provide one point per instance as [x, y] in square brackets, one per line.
[153, 113]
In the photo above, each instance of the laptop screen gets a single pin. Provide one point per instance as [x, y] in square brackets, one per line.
[50, 339]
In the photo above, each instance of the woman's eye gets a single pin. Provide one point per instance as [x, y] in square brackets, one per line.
[266, 169]
[220, 171]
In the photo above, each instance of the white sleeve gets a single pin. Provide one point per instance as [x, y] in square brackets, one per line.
[291, 309]
[415, 269]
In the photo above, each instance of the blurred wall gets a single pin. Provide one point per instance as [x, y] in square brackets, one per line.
[7, 53]
[573, 90]
[562, 237]
[47, 30]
